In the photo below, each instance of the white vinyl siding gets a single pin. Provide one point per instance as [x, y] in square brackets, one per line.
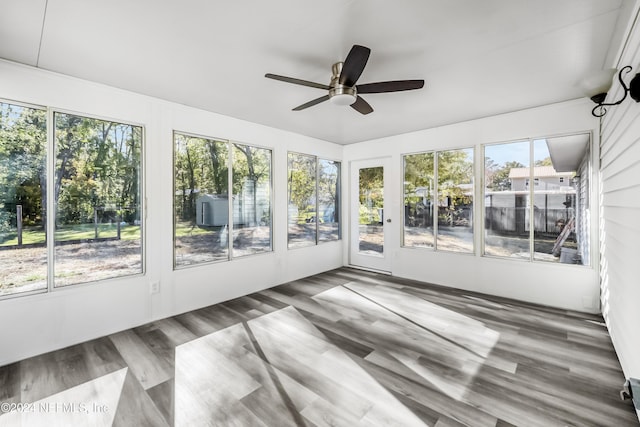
[620, 217]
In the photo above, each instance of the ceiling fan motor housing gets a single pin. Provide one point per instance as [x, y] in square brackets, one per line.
[340, 94]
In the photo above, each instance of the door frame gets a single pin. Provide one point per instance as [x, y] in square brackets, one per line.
[356, 259]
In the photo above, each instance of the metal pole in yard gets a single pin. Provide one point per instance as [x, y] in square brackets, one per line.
[19, 223]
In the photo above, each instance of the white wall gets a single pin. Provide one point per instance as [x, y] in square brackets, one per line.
[39, 323]
[620, 218]
[566, 286]
[45, 322]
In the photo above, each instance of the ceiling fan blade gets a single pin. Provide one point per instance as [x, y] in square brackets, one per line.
[296, 81]
[362, 106]
[390, 86]
[354, 65]
[312, 103]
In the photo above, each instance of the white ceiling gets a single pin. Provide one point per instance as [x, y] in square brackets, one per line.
[478, 58]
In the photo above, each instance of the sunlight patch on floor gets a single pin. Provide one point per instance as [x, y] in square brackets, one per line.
[93, 403]
[279, 357]
[444, 347]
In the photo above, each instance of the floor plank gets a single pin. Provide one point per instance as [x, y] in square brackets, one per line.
[341, 348]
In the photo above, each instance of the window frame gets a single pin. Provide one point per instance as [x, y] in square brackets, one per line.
[51, 130]
[436, 196]
[317, 204]
[230, 145]
[434, 154]
[50, 173]
[338, 201]
[49, 284]
[531, 192]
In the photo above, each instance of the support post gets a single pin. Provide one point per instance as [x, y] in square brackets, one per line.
[19, 223]
[118, 220]
[95, 222]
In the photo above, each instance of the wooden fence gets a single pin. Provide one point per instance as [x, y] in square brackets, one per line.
[501, 220]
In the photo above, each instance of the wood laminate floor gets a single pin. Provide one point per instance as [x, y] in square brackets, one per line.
[343, 348]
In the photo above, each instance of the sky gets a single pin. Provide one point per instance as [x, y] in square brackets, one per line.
[516, 151]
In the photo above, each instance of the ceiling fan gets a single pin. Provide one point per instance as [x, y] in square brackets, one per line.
[343, 89]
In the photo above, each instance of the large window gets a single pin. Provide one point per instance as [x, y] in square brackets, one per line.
[438, 200]
[208, 175]
[328, 200]
[536, 199]
[251, 200]
[23, 205]
[313, 200]
[97, 198]
[95, 230]
[455, 200]
[506, 198]
[419, 190]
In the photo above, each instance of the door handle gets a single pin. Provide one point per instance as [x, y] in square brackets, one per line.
[388, 219]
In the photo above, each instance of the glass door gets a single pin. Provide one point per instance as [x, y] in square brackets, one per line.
[370, 222]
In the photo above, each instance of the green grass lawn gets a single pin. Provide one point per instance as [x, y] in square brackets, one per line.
[29, 236]
[186, 228]
[86, 231]
[72, 232]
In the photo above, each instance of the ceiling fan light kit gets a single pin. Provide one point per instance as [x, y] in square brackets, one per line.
[340, 94]
[343, 89]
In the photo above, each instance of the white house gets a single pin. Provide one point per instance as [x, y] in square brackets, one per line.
[544, 178]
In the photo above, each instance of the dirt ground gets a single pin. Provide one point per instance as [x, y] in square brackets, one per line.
[461, 240]
[25, 269]
[212, 246]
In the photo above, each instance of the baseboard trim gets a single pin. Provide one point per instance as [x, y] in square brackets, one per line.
[373, 270]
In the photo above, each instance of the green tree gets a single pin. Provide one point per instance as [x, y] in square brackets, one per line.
[302, 181]
[328, 186]
[455, 172]
[544, 162]
[22, 165]
[418, 173]
[219, 169]
[97, 168]
[201, 167]
[184, 176]
[371, 188]
[251, 166]
[500, 178]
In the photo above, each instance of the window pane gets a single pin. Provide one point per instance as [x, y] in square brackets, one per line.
[201, 200]
[506, 199]
[251, 200]
[23, 253]
[561, 227]
[97, 193]
[328, 200]
[301, 200]
[371, 211]
[418, 200]
[455, 200]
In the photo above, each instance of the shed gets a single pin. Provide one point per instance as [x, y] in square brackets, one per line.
[212, 210]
